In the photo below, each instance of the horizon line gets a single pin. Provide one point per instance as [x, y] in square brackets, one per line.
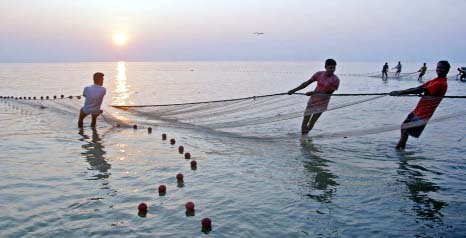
[215, 60]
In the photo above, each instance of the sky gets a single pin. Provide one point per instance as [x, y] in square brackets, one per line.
[294, 30]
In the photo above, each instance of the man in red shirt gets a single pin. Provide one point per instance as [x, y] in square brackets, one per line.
[327, 83]
[432, 94]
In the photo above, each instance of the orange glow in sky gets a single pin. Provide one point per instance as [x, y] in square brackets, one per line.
[147, 30]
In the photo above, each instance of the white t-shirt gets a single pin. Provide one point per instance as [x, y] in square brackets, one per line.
[94, 95]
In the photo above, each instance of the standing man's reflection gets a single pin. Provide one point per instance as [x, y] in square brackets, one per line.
[427, 208]
[94, 154]
[322, 181]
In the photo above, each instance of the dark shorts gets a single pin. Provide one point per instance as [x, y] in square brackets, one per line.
[414, 125]
[421, 74]
[93, 114]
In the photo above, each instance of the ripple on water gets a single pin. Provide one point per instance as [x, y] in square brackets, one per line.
[58, 181]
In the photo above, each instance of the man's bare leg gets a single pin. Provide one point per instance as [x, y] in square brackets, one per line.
[304, 127]
[94, 120]
[313, 120]
[403, 139]
[82, 115]
[384, 76]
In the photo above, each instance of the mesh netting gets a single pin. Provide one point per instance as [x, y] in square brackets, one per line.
[248, 114]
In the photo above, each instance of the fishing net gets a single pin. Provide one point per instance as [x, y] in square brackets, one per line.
[392, 75]
[271, 116]
[281, 112]
[64, 105]
[388, 115]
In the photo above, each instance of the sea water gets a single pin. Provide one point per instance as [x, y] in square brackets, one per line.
[59, 181]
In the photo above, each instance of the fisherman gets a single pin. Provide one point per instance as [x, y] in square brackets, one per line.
[398, 69]
[327, 83]
[94, 95]
[432, 93]
[462, 74]
[422, 71]
[385, 71]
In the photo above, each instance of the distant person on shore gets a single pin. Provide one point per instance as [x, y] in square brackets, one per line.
[398, 69]
[433, 92]
[327, 83]
[462, 74]
[422, 71]
[385, 71]
[94, 95]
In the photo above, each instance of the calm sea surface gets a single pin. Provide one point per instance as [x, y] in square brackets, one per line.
[59, 181]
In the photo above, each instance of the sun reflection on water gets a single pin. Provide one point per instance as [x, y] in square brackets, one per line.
[121, 93]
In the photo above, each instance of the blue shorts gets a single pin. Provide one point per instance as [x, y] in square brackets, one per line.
[413, 129]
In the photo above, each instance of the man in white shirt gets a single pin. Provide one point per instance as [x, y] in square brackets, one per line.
[94, 95]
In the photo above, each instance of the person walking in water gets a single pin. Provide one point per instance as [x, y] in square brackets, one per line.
[385, 71]
[432, 93]
[94, 95]
[327, 83]
[422, 71]
[461, 74]
[398, 69]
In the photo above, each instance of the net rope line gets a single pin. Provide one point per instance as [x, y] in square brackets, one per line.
[228, 100]
[262, 119]
[43, 98]
[192, 103]
[276, 94]
[63, 105]
[238, 100]
[387, 94]
[266, 115]
[378, 74]
[209, 112]
[165, 114]
[404, 75]
[438, 117]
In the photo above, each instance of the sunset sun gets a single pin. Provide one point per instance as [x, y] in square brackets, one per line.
[120, 39]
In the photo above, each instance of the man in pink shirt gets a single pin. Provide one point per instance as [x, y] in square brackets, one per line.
[327, 83]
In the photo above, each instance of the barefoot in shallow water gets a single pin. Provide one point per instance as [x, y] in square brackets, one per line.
[305, 138]
[400, 147]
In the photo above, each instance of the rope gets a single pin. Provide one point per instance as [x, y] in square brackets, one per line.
[347, 94]
[41, 98]
[194, 103]
[380, 94]
[417, 95]
[276, 94]
[407, 74]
